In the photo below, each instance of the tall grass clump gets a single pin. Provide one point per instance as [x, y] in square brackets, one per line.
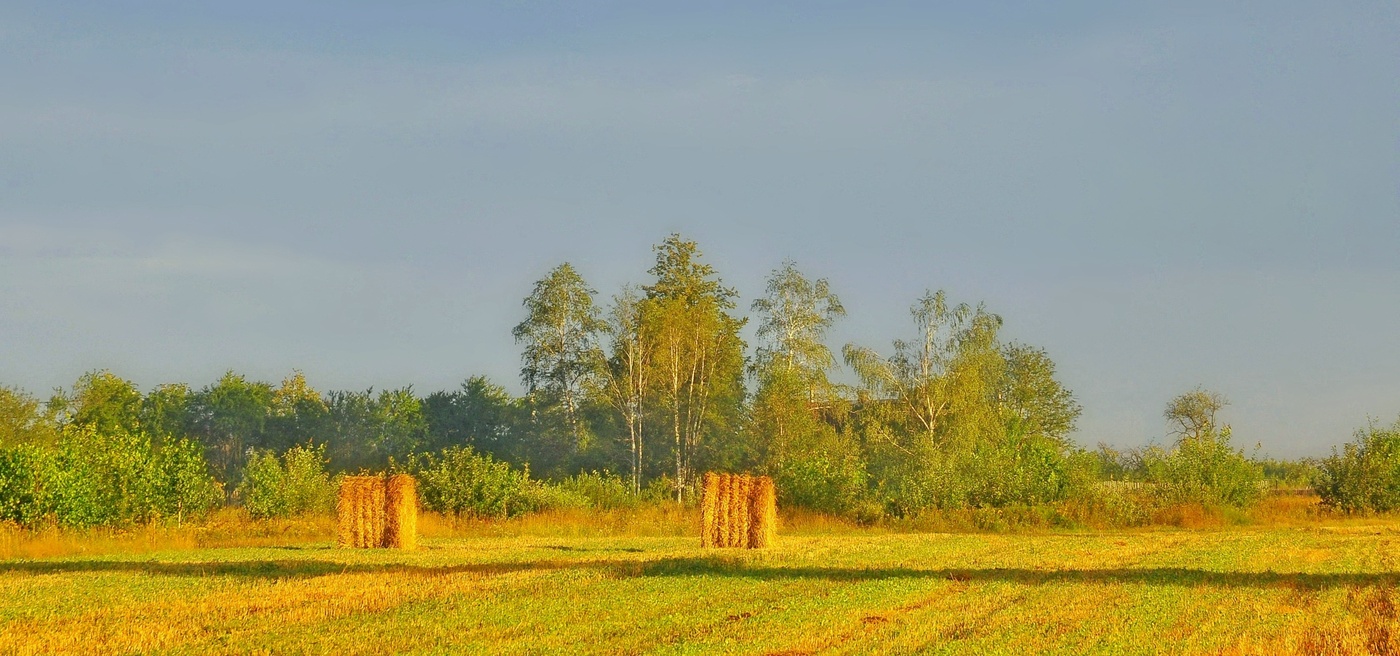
[600, 491]
[1365, 476]
[294, 484]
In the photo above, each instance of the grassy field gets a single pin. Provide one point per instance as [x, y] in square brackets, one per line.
[1320, 589]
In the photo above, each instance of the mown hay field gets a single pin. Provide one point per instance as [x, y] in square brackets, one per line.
[1322, 589]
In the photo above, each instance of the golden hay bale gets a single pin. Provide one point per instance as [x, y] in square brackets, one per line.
[366, 537]
[763, 513]
[739, 515]
[358, 510]
[709, 509]
[354, 509]
[401, 507]
[723, 508]
[345, 513]
[376, 511]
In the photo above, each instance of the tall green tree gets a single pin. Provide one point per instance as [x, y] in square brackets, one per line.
[697, 353]
[105, 402]
[480, 414]
[297, 414]
[230, 416]
[402, 427]
[941, 371]
[792, 364]
[24, 420]
[1034, 401]
[626, 377]
[354, 430]
[367, 429]
[559, 334]
[794, 316]
[954, 418]
[167, 413]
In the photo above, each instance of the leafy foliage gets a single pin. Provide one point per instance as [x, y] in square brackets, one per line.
[462, 482]
[954, 419]
[113, 478]
[559, 335]
[1205, 469]
[295, 484]
[600, 490]
[1365, 476]
[23, 472]
[794, 316]
[697, 356]
[185, 487]
[24, 420]
[658, 386]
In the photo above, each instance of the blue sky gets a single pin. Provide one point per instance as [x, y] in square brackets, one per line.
[1205, 193]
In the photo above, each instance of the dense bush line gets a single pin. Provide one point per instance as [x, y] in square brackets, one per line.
[105, 479]
[1365, 475]
[294, 484]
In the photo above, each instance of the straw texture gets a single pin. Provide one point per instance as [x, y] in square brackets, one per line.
[709, 511]
[401, 506]
[344, 515]
[737, 511]
[763, 513]
[362, 511]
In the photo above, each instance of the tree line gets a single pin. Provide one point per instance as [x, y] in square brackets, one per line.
[653, 386]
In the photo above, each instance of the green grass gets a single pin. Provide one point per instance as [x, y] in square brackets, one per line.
[1317, 589]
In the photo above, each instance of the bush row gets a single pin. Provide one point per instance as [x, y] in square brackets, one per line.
[119, 478]
[105, 479]
[1365, 475]
[456, 481]
[462, 482]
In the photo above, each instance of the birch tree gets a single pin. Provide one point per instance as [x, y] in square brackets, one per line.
[792, 360]
[931, 376]
[794, 315]
[697, 354]
[559, 335]
[626, 381]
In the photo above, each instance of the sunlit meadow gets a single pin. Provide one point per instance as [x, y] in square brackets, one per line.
[627, 585]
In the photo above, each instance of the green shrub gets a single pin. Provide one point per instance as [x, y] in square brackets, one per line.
[186, 486]
[295, 484]
[661, 489]
[827, 476]
[539, 496]
[1017, 471]
[602, 491]
[1109, 504]
[1295, 474]
[104, 478]
[1204, 470]
[22, 475]
[1365, 476]
[461, 482]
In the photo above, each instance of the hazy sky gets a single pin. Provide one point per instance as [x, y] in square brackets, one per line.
[1163, 196]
